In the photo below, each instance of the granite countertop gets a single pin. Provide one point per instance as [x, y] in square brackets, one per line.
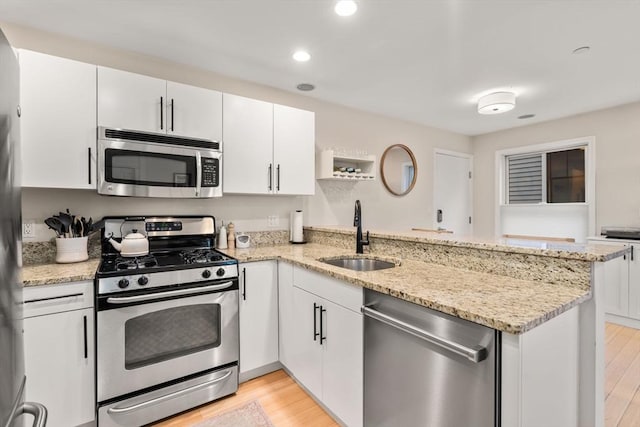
[503, 303]
[591, 252]
[49, 274]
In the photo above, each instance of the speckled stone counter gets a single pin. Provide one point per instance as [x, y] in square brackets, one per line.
[500, 302]
[49, 274]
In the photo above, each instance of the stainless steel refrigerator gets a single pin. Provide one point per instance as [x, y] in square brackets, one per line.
[12, 378]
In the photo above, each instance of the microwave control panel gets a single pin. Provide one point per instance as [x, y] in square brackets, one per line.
[210, 172]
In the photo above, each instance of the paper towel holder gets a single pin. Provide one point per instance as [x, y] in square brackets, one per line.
[291, 226]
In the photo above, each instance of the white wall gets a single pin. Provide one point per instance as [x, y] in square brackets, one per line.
[617, 139]
[335, 126]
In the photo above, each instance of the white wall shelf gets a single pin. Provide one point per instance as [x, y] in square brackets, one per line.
[330, 162]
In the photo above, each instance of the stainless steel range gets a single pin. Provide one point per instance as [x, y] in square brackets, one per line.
[167, 322]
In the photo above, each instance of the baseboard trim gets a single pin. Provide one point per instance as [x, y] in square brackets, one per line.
[258, 372]
[621, 320]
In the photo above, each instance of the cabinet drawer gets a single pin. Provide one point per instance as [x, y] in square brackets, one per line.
[48, 299]
[334, 290]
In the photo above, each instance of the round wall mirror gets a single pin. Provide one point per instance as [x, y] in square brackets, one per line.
[398, 169]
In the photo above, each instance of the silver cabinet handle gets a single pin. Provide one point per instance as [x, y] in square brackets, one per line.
[476, 354]
[38, 411]
[169, 396]
[137, 298]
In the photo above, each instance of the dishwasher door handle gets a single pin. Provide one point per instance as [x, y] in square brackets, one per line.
[476, 354]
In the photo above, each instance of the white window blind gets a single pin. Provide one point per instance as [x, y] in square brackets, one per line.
[524, 178]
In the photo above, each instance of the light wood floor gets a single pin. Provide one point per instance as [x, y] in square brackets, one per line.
[622, 378]
[287, 405]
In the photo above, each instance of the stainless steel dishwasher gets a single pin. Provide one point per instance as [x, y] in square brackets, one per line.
[428, 369]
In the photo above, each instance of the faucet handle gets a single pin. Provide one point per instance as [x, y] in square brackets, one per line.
[366, 241]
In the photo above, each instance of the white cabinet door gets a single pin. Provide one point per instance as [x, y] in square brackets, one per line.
[342, 370]
[258, 315]
[616, 289]
[294, 150]
[306, 351]
[131, 101]
[194, 112]
[247, 145]
[60, 372]
[58, 124]
[634, 281]
[285, 311]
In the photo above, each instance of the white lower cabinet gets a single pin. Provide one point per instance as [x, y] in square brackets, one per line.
[326, 343]
[59, 352]
[258, 317]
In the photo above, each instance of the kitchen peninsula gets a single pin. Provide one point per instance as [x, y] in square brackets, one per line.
[544, 298]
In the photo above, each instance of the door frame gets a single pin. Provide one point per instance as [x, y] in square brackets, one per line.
[467, 156]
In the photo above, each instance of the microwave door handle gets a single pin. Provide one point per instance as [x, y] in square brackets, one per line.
[198, 173]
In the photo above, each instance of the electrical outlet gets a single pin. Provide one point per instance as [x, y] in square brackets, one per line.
[273, 220]
[28, 229]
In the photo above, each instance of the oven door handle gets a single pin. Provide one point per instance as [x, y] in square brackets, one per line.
[198, 173]
[169, 396]
[148, 297]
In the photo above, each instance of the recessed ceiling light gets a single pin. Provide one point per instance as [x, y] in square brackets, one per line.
[527, 116]
[496, 103]
[346, 7]
[305, 87]
[581, 50]
[301, 56]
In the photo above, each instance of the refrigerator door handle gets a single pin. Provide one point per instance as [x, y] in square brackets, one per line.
[38, 411]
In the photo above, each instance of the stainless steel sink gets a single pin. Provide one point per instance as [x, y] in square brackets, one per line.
[359, 264]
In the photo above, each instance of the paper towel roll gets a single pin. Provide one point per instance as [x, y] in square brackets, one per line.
[296, 227]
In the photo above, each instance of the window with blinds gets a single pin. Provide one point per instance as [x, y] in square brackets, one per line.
[524, 178]
[546, 177]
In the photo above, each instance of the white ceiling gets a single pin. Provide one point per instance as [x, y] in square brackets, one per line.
[422, 61]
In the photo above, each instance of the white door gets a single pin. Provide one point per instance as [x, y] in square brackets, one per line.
[59, 365]
[452, 193]
[634, 282]
[306, 354]
[131, 101]
[258, 315]
[247, 145]
[294, 150]
[58, 124]
[342, 370]
[194, 112]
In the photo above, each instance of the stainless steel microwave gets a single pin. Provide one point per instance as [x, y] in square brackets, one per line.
[142, 164]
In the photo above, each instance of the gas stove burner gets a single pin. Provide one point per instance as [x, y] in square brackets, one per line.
[135, 263]
[199, 256]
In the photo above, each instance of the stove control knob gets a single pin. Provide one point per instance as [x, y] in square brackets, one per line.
[206, 274]
[123, 283]
[220, 272]
[143, 281]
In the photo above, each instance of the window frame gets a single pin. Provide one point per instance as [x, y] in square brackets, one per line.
[501, 170]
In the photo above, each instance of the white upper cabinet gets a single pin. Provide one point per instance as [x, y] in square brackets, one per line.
[268, 149]
[194, 112]
[58, 122]
[294, 150]
[133, 101]
[247, 145]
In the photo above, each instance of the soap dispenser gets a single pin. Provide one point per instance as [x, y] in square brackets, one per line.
[222, 237]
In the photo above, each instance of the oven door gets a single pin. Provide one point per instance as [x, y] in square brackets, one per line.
[141, 169]
[147, 339]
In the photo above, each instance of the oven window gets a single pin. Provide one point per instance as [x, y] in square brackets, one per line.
[171, 333]
[155, 169]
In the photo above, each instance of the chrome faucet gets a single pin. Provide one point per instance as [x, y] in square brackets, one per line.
[357, 222]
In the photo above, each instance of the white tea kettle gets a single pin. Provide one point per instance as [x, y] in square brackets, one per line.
[133, 244]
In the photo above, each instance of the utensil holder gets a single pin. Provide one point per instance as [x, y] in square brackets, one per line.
[73, 249]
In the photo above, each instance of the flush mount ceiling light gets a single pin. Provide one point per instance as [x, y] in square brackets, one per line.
[301, 56]
[346, 7]
[496, 103]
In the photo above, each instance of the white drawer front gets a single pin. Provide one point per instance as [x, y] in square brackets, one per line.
[334, 290]
[48, 299]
